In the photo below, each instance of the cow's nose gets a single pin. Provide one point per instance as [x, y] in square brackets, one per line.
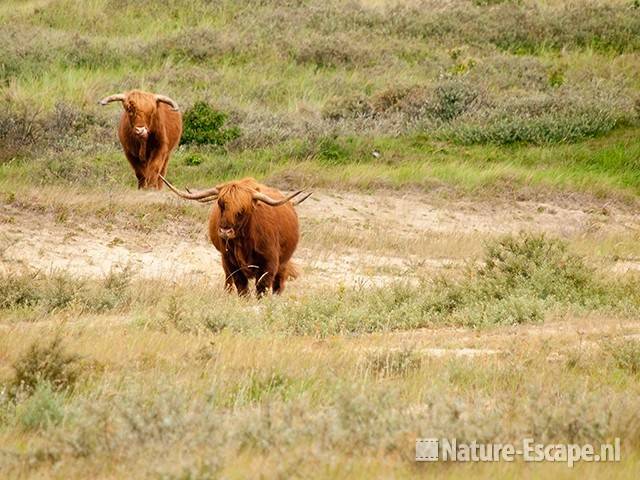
[142, 131]
[225, 232]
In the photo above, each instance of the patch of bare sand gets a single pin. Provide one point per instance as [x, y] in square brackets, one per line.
[82, 245]
[413, 213]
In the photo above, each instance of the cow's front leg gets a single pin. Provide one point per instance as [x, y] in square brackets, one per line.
[154, 168]
[138, 169]
[142, 180]
[228, 274]
[241, 282]
[264, 279]
[233, 275]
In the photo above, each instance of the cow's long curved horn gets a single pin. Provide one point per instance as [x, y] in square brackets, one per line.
[298, 201]
[168, 101]
[270, 201]
[118, 97]
[209, 194]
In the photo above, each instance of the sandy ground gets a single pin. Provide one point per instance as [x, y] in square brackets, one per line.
[82, 245]
[384, 235]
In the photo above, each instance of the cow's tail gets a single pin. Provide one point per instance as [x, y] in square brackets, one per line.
[291, 271]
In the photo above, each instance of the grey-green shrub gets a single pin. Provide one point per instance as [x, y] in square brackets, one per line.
[553, 127]
[44, 408]
[625, 354]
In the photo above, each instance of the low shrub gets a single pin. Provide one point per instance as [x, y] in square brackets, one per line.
[625, 354]
[330, 52]
[544, 129]
[541, 119]
[518, 280]
[49, 364]
[47, 294]
[394, 362]
[24, 128]
[44, 408]
[203, 125]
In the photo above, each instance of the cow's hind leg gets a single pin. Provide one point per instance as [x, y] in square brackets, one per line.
[279, 281]
[286, 272]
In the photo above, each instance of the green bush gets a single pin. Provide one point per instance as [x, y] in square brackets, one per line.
[331, 151]
[452, 99]
[193, 159]
[203, 125]
[17, 291]
[520, 277]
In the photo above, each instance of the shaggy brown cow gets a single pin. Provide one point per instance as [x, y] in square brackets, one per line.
[150, 128]
[255, 228]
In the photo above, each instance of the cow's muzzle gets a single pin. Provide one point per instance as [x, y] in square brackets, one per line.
[227, 233]
[142, 132]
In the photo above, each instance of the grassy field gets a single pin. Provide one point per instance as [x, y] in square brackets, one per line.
[476, 278]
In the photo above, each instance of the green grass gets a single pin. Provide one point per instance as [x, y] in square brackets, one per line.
[604, 167]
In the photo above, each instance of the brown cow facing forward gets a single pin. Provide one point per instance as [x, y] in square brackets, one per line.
[255, 229]
[150, 128]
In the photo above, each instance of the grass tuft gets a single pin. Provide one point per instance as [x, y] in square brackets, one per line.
[46, 364]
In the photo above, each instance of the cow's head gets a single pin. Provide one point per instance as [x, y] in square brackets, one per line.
[141, 108]
[236, 202]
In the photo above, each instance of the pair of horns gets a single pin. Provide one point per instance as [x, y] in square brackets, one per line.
[211, 194]
[120, 97]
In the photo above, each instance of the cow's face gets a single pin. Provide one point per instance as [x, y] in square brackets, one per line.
[140, 108]
[235, 205]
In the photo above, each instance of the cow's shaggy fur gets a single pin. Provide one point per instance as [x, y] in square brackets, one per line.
[263, 237]
[148, 153]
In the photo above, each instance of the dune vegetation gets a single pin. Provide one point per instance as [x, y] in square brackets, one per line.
[470, 255]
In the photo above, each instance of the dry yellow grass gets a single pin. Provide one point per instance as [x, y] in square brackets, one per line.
[161, 379]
